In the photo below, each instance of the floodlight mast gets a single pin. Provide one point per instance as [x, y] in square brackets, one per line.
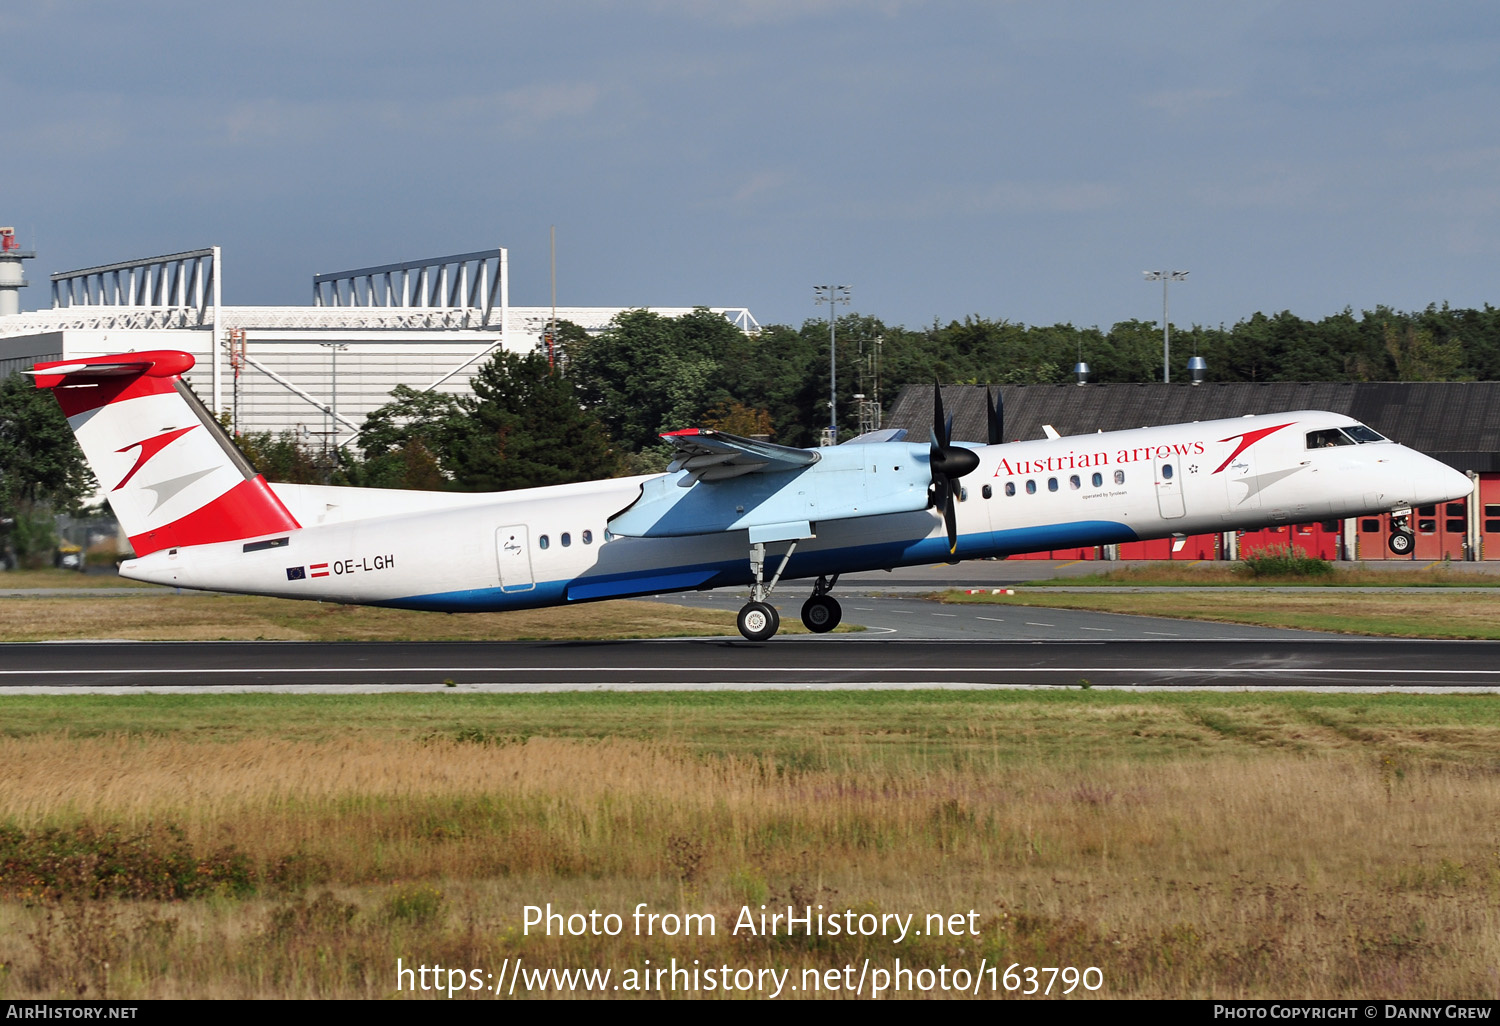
[832, 295]
[1165, 277]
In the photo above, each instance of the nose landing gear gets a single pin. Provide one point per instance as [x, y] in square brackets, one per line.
[1401, 541]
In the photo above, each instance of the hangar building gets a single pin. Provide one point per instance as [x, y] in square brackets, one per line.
[1457, 422]
[315, 370]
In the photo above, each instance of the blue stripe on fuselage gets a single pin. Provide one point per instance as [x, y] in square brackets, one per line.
[736, 572]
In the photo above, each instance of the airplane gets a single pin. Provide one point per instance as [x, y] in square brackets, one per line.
[199, 516]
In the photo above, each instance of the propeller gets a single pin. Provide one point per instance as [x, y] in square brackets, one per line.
[949, 463]
[995, 408]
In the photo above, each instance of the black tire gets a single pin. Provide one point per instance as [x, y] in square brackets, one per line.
[821, 613]
[758, 621]
[1401, 542]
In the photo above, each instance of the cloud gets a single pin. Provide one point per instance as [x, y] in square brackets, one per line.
[1268, 186]
[1180, 103]
[1012, 197]
[744, 13]
[757, 184]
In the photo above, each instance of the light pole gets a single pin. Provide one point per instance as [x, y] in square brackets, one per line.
[832, 295]
[1166, 329]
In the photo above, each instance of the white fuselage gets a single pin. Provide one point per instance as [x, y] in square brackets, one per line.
[544, 546]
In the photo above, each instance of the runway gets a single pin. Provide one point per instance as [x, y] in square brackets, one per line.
[909, 642]
[838, 662]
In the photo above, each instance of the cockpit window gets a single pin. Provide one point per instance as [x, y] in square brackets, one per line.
[1327, 439]
[1360, 433]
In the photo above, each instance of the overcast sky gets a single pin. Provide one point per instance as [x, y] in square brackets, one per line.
[1021, 160]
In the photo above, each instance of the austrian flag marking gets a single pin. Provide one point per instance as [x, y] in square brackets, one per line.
[318, 569]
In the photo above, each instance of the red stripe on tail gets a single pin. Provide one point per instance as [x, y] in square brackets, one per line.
[248, 509]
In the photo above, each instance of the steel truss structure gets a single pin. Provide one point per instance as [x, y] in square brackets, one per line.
[314, 370]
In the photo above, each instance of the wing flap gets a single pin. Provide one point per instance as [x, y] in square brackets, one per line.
[709, 455]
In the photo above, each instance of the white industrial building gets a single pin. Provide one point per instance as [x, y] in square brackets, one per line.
[317, 370]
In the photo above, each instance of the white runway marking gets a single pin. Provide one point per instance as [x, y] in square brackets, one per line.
[367, 670]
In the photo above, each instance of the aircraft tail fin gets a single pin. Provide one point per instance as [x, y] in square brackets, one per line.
[170, 472]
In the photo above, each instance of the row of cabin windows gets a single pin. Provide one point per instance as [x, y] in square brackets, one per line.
[1074, 483]
[565, 539]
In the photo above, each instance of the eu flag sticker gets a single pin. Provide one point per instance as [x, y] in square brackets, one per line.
[296, 573]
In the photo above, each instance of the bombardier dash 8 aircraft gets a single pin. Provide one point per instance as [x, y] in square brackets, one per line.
[199, 516]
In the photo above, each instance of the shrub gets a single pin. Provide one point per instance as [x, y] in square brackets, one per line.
[1285, 561]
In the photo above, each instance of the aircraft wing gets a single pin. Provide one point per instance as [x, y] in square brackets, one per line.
[883, 435]
[709, 455]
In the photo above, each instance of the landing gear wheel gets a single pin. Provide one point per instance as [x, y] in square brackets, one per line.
[758, 621]
[821, 613]
[1401, 542]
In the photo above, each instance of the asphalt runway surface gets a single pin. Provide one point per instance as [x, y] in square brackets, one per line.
[834, 662]
[909, 643]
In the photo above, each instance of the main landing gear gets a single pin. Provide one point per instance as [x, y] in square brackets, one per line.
[759, 620]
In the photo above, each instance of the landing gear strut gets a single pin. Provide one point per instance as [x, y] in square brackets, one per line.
[1401, 541]
[758, 620]
[822, 612]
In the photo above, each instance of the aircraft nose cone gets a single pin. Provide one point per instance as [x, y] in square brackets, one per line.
[1438, 482]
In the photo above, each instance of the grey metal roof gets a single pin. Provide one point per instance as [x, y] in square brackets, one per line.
[1456, 421]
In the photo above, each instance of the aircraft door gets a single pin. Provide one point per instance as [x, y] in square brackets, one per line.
[1169, 488]
[513, 558]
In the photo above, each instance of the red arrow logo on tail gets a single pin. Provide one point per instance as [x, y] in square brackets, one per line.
[149, 448]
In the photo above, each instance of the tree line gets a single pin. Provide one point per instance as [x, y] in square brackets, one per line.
[646, 374]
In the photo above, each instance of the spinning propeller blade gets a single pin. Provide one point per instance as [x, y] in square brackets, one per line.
[949, 463]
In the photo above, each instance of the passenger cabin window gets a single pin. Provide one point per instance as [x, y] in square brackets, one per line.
[1166, 471]
[1074, 483]
[1119, 477]
[1098, 480]
[987, 492]
[1051, 484]
[588, 537]
[1010, 488]
[1030, 487]
[543, 541]
[1327, 439]
[567, 539]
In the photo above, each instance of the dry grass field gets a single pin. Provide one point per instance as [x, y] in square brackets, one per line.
[193, 616]
[1227, 846]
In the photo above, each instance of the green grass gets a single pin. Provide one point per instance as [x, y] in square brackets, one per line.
[810, 727]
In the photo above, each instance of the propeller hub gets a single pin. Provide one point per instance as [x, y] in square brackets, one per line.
[953, 461]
